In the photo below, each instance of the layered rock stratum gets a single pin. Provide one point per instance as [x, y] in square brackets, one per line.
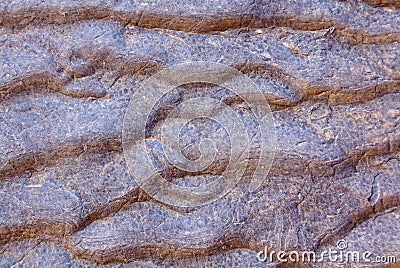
[330, 71]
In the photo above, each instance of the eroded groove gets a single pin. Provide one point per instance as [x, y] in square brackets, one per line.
[45, 229]
[349, 164]
[113, 207]
[40, 80]
[334, 96]
[47, 82]
[57, 230]
[33, 162]
[77, 261]
[231, 240]
[353, 37]
[361, 95]
[211, 24]
[383, 3]
[384, 205]
[58, 83]
[348, 96]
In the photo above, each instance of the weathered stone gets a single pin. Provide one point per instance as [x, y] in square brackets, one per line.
[329, 70]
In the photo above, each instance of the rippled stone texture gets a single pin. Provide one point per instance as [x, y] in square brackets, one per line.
[329, 69]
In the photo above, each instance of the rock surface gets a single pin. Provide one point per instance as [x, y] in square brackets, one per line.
[330, 71]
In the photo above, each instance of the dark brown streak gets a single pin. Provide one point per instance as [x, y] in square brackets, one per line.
[191, 24]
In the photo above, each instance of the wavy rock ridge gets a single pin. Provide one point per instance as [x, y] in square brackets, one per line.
[329, 69]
